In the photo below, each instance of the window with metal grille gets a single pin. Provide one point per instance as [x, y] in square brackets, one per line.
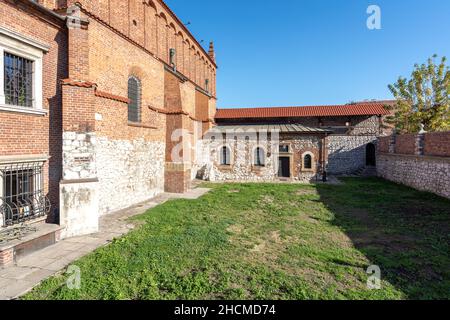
[225, 156]
[307, 162]
[259, 157]
[134, 97]
[18, 80]
[22, 193]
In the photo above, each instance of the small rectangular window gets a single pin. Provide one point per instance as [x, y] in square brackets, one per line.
[284, 148]
[18, 80]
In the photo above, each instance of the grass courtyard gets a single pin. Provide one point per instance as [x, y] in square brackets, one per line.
[276, 241]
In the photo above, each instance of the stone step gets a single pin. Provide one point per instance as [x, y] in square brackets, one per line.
[34, 237]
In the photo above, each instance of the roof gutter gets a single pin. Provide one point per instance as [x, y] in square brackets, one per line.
[44, 10]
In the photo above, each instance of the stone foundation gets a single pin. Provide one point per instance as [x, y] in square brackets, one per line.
[129, 172]
[424, 173]
[346, 154]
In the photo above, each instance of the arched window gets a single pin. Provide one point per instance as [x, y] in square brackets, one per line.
[260, 160]
[225, 156]
[134, 97]
[307, 162]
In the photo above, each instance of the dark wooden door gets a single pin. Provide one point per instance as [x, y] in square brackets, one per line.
[284, 167]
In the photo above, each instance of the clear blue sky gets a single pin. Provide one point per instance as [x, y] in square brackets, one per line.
[304, 52]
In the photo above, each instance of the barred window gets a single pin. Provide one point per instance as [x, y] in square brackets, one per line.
[134, 96]
[259, 157]
[22, 193]
[18, 80]
[225, 156]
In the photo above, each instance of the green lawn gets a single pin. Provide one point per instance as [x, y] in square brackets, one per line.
[276, 241]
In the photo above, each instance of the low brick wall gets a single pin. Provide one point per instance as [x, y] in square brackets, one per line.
[383, 144]
[437, 144]
[421, 161]
[405, 144]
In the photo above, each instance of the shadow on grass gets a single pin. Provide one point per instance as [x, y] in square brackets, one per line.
[403, 231]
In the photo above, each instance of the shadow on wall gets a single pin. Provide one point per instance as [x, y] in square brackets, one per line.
[55, 129]
[403, 231]
[341, 161]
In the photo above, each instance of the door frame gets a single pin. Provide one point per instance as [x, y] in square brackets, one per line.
[291, 165]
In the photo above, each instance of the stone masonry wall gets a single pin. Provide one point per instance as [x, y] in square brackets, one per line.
[420, 172]
[426, 166]
[79, 156]
[242, 168]
[347, 154]
[129, 172]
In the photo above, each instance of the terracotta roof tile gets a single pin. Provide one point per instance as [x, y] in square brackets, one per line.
[356, 109]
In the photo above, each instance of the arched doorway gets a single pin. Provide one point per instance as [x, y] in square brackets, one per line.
[371, 158]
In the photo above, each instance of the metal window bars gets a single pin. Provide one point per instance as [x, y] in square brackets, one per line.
[18, 82]
[22, 195]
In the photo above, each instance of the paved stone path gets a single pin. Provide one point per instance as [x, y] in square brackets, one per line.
[31, 270]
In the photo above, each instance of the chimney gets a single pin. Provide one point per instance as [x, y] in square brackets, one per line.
[211, 52]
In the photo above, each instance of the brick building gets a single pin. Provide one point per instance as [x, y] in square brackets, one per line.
[95, 99]
[105, 104]
[292, 143]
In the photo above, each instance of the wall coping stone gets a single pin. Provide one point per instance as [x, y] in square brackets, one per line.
[419, 157]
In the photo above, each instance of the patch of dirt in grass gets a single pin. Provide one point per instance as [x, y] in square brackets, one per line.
[234, 191]
[276, 237]
[304, 192]
[259, 247]
[340, 238]
[267, 199]
[235, 228]
[267, 250]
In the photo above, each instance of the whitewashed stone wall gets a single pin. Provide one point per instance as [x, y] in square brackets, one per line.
[129, 172]
[79, 188]
[242, 159]
[420, 172]
[79, 156]
[347, 154]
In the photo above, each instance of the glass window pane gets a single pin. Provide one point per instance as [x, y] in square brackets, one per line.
[18, 80]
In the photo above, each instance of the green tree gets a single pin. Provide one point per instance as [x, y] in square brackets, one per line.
[423, 99]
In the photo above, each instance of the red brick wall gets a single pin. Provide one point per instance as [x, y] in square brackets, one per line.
[23, 134]
[434, 144]
[405, 144]
[437, 144]
[383, 144]
[152, 26]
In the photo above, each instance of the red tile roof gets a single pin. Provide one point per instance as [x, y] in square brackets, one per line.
[355, 109]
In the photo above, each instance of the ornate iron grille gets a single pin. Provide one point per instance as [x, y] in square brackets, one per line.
[22, 193]
[134, 95]
[18, 83]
